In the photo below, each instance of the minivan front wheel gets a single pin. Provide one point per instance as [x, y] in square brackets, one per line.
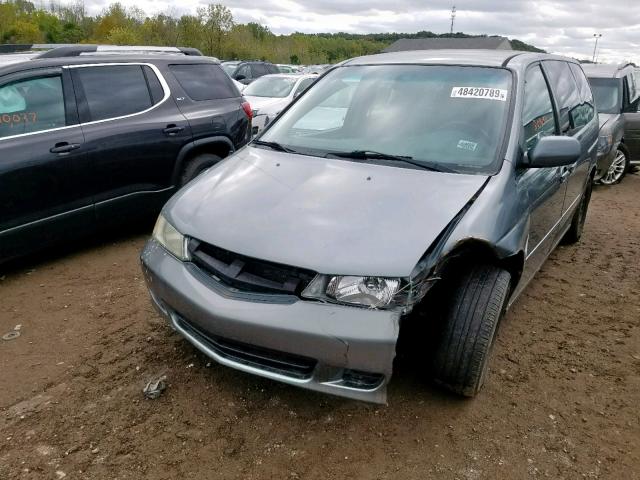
[477, 302]
[618, 168]
[196, 166]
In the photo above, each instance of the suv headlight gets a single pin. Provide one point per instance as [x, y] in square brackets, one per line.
[370, 292]
[171, 239]
[605, 142]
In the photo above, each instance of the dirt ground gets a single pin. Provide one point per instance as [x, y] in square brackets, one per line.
[562, 401]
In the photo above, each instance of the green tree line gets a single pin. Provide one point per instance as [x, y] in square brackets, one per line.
[212, 30]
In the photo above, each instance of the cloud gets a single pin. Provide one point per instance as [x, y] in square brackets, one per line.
[559, 26]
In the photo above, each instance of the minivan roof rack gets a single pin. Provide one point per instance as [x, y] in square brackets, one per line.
[58, 51]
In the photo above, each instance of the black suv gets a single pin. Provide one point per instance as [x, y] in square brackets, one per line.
[247, 72]
[88, 140]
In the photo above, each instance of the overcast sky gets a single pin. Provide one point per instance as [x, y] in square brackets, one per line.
[561, 26]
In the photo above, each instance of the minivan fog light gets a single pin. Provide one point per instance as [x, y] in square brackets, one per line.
[170, 238]
[366, 291]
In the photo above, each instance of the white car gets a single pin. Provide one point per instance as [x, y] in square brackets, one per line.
[270, 94]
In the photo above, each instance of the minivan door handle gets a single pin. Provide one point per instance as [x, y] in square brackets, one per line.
[64, 147]
[172, 129]
[565, 173]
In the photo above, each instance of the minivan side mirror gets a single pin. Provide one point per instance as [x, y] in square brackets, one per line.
[553, 152]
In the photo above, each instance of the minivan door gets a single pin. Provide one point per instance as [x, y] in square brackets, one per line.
[43, 171]
[576, 113]
[544, 188]
[133, 133]
[632, 121]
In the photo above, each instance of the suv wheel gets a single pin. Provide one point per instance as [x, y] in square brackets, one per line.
[618, 168]
[574, 233]
[476, 304]
[196, 166]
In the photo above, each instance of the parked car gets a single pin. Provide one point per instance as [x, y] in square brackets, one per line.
[316, 68]
[89, 140]
[247, 72]
[288, 68]
[436, 199]
[617, 98]
[269, 94]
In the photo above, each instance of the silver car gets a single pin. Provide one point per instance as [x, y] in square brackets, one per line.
[431, 193]
[617, 98]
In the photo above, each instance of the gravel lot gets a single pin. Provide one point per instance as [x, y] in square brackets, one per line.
[563, 400]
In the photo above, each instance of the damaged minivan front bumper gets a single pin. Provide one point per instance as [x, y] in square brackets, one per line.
[330, 348]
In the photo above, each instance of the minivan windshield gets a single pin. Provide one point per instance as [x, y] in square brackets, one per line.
[274, 87]
[448, 116]
[607, 94]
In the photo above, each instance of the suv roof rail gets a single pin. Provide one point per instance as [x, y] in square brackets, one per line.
[58, 51]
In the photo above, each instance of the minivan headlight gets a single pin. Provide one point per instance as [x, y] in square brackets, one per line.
[372, 292]
[171, 239]
[605, 142]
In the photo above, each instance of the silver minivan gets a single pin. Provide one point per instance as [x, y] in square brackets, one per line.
[424, 186]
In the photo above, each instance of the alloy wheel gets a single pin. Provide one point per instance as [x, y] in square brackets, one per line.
[616, 170]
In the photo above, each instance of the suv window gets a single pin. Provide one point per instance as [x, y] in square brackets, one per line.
[204, 81]
[31, 105]
[537, 115]
[244, 70]
[584, 113]
[157, 92]
[259, 69]
[566, 91]
[114, 91]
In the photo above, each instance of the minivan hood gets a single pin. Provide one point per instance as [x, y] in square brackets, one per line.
[329, 215]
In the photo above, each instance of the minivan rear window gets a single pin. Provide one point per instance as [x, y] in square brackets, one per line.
[204, 81]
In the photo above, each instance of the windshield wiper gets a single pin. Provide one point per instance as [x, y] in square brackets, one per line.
[274, 146]
[373, 155]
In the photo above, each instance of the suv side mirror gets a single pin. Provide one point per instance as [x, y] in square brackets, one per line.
[239, 77]
[554, 152]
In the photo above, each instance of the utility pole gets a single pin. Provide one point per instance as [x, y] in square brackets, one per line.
[453, 18]
[597, 36]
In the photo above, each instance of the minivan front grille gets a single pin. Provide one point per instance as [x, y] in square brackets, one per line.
[248, 274]
[273, 361]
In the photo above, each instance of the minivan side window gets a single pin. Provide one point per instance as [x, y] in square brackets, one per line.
[565, 89]
[538, 119]
[31, 105]
[584, 113]
[204, 81]
[114, 91]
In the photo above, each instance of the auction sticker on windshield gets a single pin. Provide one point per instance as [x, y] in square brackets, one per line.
[479, 92]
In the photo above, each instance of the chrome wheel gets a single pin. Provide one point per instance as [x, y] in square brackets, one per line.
[616, 170]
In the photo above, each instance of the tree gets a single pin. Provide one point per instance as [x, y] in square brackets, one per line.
[217, 21]
[124, 36]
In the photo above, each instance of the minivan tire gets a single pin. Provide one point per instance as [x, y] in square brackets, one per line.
[477, 302]
[196, 166]
[574, 233]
